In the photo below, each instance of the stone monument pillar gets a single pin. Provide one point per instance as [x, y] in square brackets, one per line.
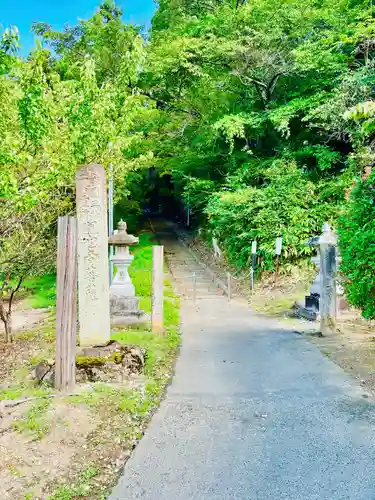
[311, 308]
[327, 299]
[93, 270]
[124, 305]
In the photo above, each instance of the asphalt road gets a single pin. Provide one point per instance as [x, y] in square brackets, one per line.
[257, 413]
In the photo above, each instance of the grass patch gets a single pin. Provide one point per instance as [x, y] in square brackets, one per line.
[160, 349]
[81, 489]
[140, 269]
[101, 393]
[33, 422]
[23, 390]
[145, 304]
[171, 312]
[40, 291]
[274, 306]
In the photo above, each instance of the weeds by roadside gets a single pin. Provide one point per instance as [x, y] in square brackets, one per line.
[85, 439]
[81, 489]
[33, 422]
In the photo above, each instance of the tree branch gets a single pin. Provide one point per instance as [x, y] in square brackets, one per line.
[239, 3]
[161, 103]
[232, 91]
[272, 84]
[14, 292]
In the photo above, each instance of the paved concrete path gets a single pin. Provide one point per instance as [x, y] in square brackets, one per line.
[254, 413]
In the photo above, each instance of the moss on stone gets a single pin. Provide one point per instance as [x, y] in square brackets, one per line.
[90, 361]
[116, 357]
[96, 361]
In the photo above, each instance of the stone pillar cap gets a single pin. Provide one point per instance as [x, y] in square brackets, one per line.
[328, 236]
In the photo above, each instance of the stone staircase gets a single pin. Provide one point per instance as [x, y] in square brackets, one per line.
[190, 276]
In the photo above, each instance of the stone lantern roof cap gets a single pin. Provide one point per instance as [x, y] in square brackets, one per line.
[122, 238]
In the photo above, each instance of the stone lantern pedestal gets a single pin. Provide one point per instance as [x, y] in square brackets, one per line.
[124, 305]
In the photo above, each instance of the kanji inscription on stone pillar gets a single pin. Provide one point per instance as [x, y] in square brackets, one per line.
[93, 270]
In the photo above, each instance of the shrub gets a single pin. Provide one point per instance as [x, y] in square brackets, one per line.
[130, 211]
[356, 231]
[287, 204]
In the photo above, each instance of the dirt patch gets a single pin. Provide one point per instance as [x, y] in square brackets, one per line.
[28, 463]
[353, 348]
[71, 446]
[46, 442]
[23, 318]
[57, 447]
[28, 347]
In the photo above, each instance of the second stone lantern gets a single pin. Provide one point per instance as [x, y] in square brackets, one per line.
[124, 304]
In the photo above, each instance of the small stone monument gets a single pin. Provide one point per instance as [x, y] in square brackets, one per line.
[92, 249]
[310, 307]
[124, 305]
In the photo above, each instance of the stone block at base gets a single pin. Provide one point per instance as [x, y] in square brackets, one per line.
[300, 310]
[125, 311]
[142, 319]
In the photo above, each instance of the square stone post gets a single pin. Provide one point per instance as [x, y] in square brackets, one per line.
[93, 270]
[328, 309]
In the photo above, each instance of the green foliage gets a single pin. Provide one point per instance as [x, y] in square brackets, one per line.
[270, 111]
[9, 44]
[356, 232]
[286, 205]
[41, 291]
[197, 192]
[129, 211]
[365, 113]
[57, 113]
[240, 126]
[261, 112]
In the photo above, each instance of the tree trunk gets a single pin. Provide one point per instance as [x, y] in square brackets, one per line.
[8, 327]
[6, 318]
[6, 311]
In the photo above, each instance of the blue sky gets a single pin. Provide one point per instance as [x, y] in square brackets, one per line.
[60, 12]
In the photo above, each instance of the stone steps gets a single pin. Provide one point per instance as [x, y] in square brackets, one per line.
[182, 265]
[182, 268]
[190, 278]
[199, 289]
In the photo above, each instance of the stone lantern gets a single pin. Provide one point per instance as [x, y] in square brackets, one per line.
[123, 302]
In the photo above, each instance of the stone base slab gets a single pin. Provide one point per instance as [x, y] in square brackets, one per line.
[141, 319]
[125, 311]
